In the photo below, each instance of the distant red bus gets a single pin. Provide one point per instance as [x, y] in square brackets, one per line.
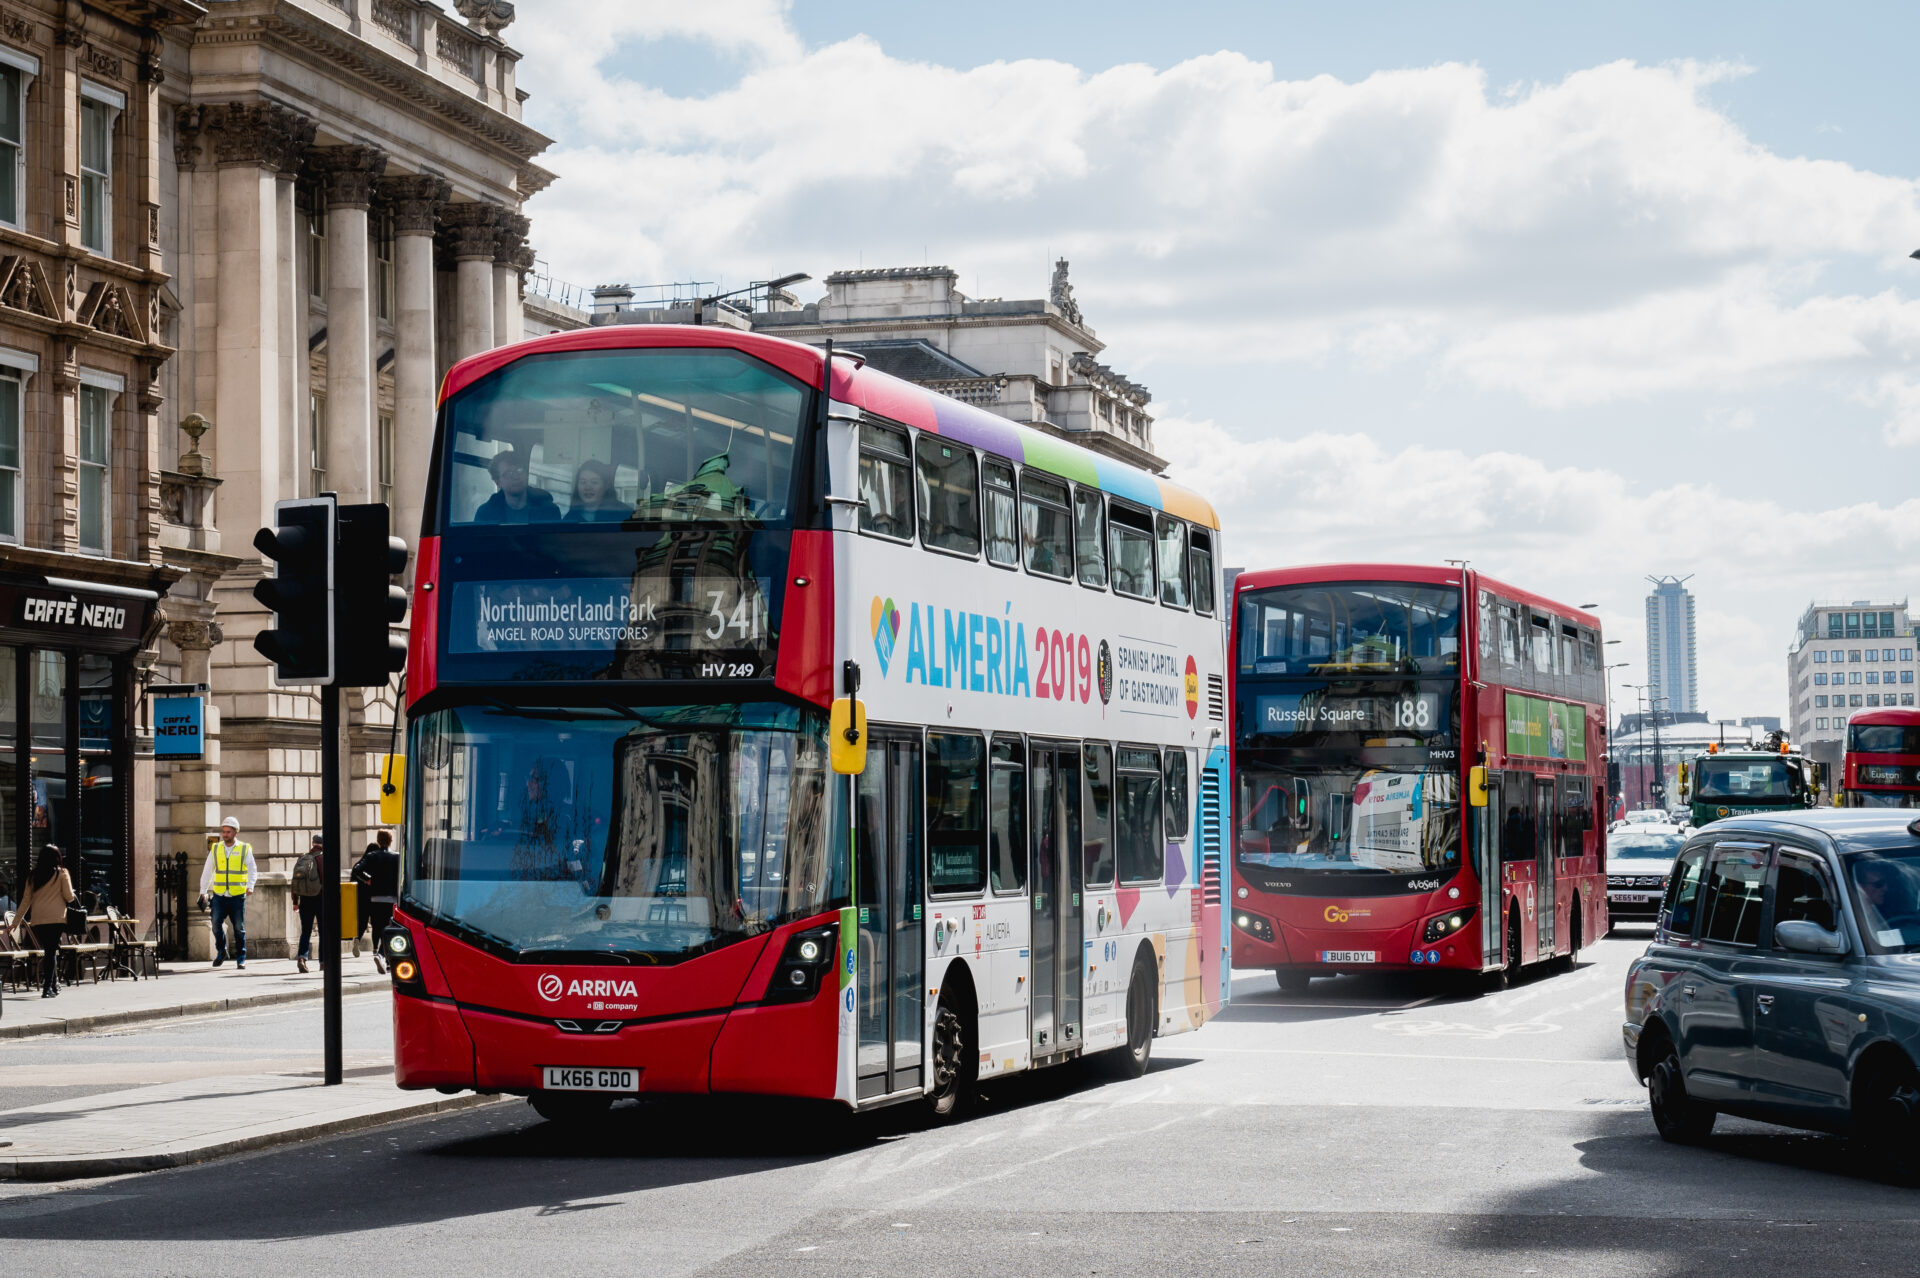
[1368, 698]
[1883, 760]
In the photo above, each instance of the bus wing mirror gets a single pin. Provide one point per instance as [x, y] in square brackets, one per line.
[393, 789]
[847, 736]
[1477, 786]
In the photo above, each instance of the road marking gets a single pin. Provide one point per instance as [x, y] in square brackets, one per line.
[1408, 1056]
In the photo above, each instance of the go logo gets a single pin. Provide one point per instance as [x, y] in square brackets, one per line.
[1334, 914]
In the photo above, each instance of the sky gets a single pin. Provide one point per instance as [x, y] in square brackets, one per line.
[1579, 297]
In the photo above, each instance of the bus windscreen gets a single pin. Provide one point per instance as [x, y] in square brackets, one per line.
[1350, 627]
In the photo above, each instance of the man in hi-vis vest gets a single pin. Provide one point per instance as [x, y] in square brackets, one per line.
[226, 880]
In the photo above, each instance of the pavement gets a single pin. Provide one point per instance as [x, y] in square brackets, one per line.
[181, 989]
[229, 1060]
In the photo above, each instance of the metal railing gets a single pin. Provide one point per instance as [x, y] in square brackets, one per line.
[170, 906]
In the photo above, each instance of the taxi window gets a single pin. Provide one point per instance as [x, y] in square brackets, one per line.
[1801, 891]
[1730, 909]
[1683, 891]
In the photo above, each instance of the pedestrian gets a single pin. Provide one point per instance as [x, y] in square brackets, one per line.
[49, 892]
[6, 895]
[378, 874]
[226, 881]
[307, 885]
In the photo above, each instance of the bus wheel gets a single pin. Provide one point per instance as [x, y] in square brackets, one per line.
[1509, 972]
[1573, 935]
[1143, 1017]
[954, 1066]
[1293, 980]
[572, 1109]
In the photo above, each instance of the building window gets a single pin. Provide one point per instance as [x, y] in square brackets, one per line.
[12, 403]
[1854, 700]
[1906, 676]
[1820, 679]
[1873, 676]
[1886, 621]
[317, 438]
[1820, 724]
[1886, 654]
[317, 250]
[1833, 625]
[99, 107]
[17, 71]
[1820, 701]
[1873, 698]
[1853, 654]
[1906, 654]
[384, 459]
[1906, 698]
[97, 395]
[1819, 658]
[383, 266]
[1853, 676]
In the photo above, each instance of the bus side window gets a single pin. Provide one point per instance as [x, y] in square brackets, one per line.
[1090, 536]
[1142, 849]
[1174, 773]
[1098, 757]
[1046, 525]
[1173, 562]
[1131, 535]
[956, 812]
[1003, 528]
[1007, 828]
[949, 496]
[1201, 557]
[1576, 815]
[1516, 834]
[886, 496]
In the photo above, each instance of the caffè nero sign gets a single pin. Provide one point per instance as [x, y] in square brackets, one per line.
[74, 614]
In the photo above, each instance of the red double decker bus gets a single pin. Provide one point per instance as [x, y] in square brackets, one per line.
[1418, 760]
[1883, 760]
[642, 858]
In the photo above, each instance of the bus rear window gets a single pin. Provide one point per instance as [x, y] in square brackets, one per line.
[616, 436]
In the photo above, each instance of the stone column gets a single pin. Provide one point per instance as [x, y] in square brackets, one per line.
[509, 243]
[250, 141]
[293, 329]
[416, 202]
[471, 238]
[349, 173]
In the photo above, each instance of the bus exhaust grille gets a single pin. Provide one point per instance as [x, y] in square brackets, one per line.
[1216, 698]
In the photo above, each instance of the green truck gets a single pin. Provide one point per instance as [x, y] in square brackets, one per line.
[1763, 778]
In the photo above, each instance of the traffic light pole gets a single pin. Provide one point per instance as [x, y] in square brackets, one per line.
[330, 874]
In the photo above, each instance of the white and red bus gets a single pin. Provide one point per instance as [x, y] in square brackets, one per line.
[1369, 699]
[1882, 760]
[653, 557]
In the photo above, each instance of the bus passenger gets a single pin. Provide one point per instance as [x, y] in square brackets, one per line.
[594, 500]
[514, 502]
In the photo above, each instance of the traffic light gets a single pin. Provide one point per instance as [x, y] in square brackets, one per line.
[366, 602]
[300, 643]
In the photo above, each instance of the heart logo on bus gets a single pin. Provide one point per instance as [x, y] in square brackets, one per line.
[886, 630]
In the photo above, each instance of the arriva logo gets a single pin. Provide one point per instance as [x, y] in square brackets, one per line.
[550, 987]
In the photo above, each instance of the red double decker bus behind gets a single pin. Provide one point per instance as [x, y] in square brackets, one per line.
[1418, 758]
[1883, 760]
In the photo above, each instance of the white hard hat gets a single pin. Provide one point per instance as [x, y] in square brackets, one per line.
[230, 821]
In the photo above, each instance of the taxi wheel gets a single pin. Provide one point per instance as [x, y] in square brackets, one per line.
[571, 1108]
[1891, 1123]
[1680, 1118]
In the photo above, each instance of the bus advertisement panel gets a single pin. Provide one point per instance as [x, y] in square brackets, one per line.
[1365, 698]
[653, 558]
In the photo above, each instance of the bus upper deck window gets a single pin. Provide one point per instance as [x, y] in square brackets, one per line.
[1131, 536]
[1200, 555]
[1173, 562]
[1090, 536]
[886, 498]
[949, 496]
[1003, 528]
[1044, 524]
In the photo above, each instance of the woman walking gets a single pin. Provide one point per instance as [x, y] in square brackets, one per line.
[49, 892]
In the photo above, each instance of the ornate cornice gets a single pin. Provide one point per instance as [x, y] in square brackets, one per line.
[341, 52]
[264, 134]
[416, 200]
[472, 230]
[349, 173]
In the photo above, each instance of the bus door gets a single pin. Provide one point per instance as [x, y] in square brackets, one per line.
[889, 973]
[1493, 914]
[1057, 948]
[1545, 849]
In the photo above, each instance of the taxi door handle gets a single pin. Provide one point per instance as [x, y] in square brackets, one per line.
[1764, 1002]
[1686, 991]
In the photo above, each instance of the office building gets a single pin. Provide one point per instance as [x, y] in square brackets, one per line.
[1672, 672]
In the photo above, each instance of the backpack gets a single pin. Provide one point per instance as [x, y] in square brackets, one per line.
[306, 875]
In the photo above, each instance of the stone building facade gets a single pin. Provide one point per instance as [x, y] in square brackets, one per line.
[342, 218]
